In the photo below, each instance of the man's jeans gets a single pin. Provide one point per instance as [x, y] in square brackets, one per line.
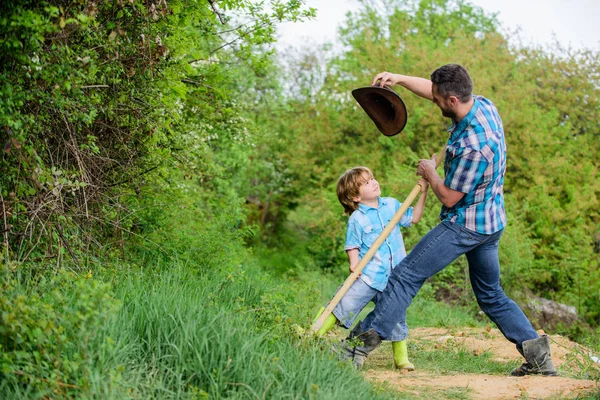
[442, 245]
[355, 299]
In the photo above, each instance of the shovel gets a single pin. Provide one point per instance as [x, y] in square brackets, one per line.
[367, 257]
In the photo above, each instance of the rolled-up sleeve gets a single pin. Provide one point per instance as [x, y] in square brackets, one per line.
[353, 235]
[406, 220]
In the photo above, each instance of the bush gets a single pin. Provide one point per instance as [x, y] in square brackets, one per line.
[46, 329]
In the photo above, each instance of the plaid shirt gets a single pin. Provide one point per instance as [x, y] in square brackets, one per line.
[475, 165]
[364, 227]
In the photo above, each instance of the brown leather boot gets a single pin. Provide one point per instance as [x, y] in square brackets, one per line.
[537, 357]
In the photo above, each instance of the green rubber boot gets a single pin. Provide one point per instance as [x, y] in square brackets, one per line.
[329, 323]
[401, 356]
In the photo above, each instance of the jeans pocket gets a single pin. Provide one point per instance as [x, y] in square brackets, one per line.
[468, 238]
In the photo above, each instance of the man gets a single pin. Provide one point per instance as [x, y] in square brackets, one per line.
[472, 221]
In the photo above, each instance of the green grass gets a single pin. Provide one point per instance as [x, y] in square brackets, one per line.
[209, 337]
[180, 335]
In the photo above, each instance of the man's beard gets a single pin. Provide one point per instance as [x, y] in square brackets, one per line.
[448, 113]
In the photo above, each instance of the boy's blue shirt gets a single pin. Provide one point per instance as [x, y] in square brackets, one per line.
[364, 227]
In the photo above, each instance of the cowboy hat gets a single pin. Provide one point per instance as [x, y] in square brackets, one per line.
[384, 106]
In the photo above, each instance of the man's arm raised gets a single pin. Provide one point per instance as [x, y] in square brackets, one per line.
[419, 86]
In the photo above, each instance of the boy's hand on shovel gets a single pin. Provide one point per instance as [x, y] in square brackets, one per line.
[353, 267]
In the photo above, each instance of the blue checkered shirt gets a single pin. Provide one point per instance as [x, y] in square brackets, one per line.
[364, 227]
[475, 165]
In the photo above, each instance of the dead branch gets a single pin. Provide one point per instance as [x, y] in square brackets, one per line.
[21, 373]
[212, 4]
[238, 27]
[237, 38]
[39, 237]
[62, 238]
[118, 226]
[5, 225]
[140, 174]
[244, 34]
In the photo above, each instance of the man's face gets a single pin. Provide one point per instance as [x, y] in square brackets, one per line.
[445, 104]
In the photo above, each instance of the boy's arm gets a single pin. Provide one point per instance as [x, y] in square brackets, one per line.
[352, 258]
[420, 206]
[353, 242]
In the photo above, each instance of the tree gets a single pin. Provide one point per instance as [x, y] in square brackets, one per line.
[101, 100]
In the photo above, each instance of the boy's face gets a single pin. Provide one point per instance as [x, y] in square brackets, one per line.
[369, 190]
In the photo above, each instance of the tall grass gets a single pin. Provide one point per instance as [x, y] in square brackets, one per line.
[179, 334]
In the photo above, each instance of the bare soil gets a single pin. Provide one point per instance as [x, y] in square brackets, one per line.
[572, 361]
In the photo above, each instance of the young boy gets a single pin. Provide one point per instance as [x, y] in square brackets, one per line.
[360, 194]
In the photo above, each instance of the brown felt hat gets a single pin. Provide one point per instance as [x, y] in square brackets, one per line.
[385, 108]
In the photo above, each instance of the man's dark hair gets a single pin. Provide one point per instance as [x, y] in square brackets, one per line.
[453, 80]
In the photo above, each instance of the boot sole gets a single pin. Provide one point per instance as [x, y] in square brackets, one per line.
[519, 374]
[406, 367]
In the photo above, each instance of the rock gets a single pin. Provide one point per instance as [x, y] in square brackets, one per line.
[550, 314]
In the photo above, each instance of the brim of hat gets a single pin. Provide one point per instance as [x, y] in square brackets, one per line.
[384, 107]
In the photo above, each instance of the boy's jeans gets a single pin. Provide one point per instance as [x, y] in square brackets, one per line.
[442, 245]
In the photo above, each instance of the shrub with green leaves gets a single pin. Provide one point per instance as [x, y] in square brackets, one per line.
[45, 331]
[101, 100]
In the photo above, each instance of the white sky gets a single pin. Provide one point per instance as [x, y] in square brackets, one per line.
[572, 22]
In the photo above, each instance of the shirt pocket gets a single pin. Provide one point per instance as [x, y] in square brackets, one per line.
[371, 234]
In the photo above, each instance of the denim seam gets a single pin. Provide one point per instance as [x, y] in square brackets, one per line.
[418, 256]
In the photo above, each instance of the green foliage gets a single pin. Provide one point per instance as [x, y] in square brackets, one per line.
[326, 250]
[46, 330]
[81, 117]
[101, 100]
[199, 227]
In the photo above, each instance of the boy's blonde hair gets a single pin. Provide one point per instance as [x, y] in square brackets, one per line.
[348, 187]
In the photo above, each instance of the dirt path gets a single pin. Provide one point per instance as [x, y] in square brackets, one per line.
[571, 360]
